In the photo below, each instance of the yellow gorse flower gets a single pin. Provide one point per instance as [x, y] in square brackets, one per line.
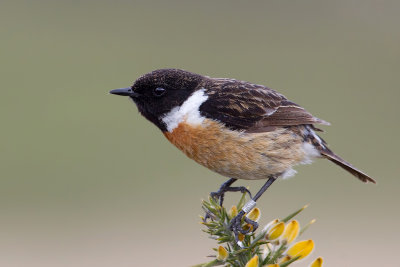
[222, 253]
[241, 237]
[253, 262]
[301, 249]
[317, 263]
[248, 227]
[291, 231]
[233, 212]
[275, 231]
[254, 214]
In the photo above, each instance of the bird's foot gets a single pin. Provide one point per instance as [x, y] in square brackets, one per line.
[237, 228]
[220, 194]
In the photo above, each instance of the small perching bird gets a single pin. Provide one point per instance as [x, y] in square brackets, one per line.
[235, 128]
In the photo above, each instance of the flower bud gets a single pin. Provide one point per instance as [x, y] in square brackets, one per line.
[291, 231]
[254, 214]
[301, 248]
[233, 212]
[253, 262]
[275, 231]
[317, 262]
[241, 237]
[222, 253]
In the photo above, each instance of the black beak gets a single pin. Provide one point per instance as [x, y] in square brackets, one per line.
[124, 92]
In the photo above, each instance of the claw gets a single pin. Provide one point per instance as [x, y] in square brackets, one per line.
[220, 194]
[236, 225]
[245, 190]
[252, 223]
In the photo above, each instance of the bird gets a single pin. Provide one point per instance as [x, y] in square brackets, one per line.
[236, 128]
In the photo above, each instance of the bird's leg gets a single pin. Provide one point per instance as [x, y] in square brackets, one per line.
[226, 187]
[220, 194]
[236, 222]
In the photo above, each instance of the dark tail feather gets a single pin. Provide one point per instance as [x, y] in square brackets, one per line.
[347, 166]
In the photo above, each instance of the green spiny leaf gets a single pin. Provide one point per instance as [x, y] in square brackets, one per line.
[285, 220]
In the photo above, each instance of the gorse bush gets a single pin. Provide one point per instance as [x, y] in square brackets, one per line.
[275, 245]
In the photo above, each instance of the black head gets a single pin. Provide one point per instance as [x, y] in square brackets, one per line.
[158, 92]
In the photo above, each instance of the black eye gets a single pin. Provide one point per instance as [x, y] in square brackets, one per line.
[159, 91]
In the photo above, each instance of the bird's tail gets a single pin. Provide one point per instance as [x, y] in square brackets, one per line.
[327, 153]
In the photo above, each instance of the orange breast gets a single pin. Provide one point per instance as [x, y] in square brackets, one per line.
[236, 154]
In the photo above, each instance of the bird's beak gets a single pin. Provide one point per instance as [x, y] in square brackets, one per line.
[124, 92]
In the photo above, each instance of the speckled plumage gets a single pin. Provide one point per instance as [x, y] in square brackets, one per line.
[251, 107]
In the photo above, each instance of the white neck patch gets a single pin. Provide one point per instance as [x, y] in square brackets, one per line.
[188, 111]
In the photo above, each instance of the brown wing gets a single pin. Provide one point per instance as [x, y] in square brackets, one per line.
[253, 108]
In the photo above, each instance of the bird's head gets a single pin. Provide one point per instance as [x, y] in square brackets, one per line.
[158, 92]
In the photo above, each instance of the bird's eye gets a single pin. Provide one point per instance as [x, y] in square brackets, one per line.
[159, 91]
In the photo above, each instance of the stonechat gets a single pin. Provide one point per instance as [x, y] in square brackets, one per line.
[238, 129]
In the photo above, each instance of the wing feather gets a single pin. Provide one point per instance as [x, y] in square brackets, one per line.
[250, 107]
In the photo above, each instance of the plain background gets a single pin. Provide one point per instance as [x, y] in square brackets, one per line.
[86, 181]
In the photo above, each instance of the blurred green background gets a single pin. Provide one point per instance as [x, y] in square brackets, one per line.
[86, 181]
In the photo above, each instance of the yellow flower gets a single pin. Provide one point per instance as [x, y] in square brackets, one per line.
[317, 262]
[254, 214]
[291, 231]
[248, 227]
[253, 262]
[233, 212]
[275, 231]
[241, 237]
[273, 265]
[222, 253]
[301, 248]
